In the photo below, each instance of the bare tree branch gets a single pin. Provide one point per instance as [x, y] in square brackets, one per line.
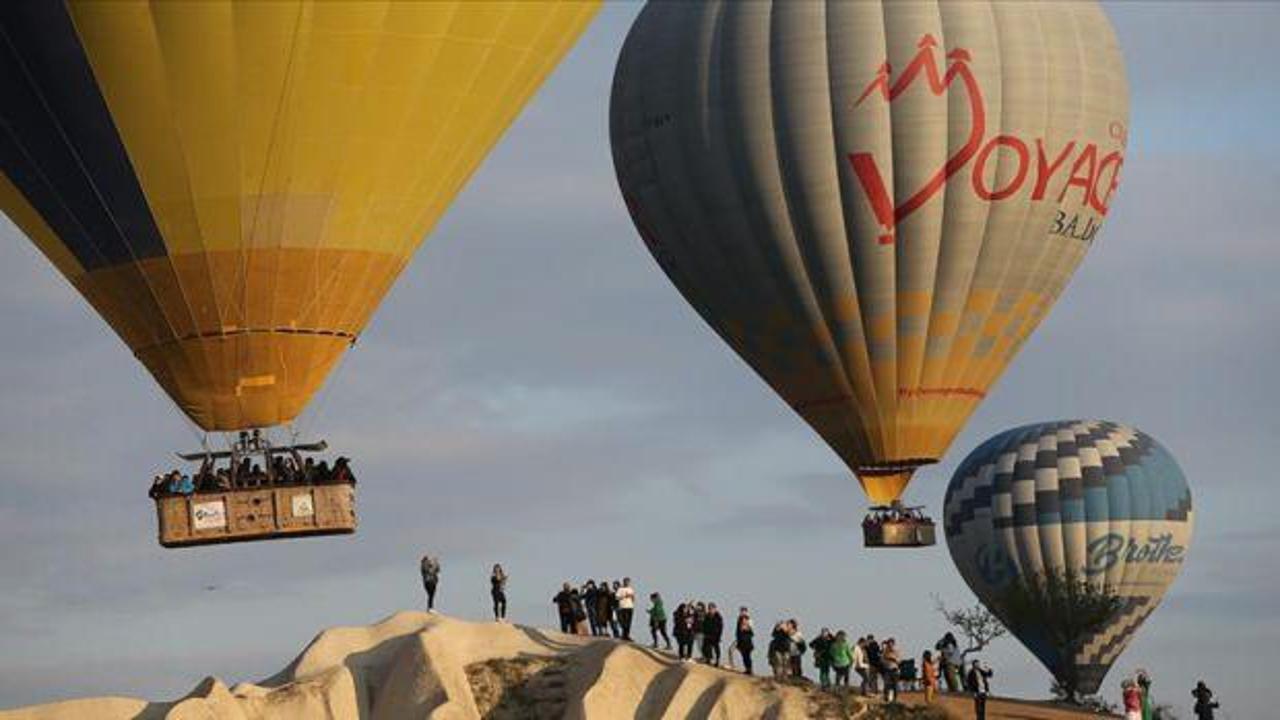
[977, 624]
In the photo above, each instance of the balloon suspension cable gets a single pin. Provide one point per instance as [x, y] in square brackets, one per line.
[309, 420]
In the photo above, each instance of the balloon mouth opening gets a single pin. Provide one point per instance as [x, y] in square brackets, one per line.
[893, 467]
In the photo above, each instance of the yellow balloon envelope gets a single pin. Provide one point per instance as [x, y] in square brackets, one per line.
[235, 186]
[874, 203]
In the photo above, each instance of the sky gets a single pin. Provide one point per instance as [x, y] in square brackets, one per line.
[535, 392]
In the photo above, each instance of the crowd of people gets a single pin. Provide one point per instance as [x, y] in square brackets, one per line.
[283, 469]
[895, 514]
[1138, 704]
[600, 608]
[606, 608]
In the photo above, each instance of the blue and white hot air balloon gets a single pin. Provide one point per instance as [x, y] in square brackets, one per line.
[1093, 500]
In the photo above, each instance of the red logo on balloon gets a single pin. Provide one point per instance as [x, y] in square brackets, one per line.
[864, 164]
[1088, 172]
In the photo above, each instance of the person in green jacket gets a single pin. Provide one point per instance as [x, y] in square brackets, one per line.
[1144, 685]
[658, 620]
[841, 658]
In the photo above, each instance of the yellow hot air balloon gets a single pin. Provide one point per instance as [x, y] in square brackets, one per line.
[874, 203]
[235, 186]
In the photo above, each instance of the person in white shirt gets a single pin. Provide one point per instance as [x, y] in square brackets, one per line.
[626, 607]
[860, 664]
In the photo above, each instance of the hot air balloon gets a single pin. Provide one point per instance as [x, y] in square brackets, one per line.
[235, 186]
[1073, 501]
[873, 203]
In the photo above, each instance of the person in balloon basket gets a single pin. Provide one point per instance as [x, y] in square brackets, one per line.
[744, 635]
[1205, 704]
[626, 607]
[564, 607]
[498, 592]
[978, 684]
[430, 568]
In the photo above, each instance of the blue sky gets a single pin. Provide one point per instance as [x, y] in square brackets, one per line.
[534, 392]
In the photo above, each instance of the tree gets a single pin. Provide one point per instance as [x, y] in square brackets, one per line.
[1067, 609]
[977, 624]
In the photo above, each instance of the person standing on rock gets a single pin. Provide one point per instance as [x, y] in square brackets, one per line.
[601, 608]
[780, 650]
[874, 668]
[744, 635]
[699, 629]
[798, 647]
[579, 612]
[1131, 697]
[430, 568]
[822, 656]
[564, 606]
[978, 684]
[948, 657]
[712, 632]
[889, 668]
[658, 620]
[929, 677]
[841, 658]
[860, 664]
[614, 625]
[683, 629]
[1143, 680]
[626, 607]
[589, 594]
[1205, 704]
[498, 593]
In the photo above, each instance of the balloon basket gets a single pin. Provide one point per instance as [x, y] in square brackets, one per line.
[896, 526]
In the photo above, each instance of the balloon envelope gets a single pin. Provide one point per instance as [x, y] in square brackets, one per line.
[235, 186]
[873, 203]
[1093, 500]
